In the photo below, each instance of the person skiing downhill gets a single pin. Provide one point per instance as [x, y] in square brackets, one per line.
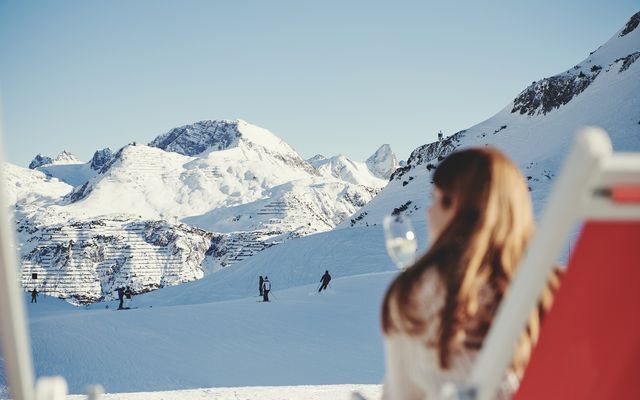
[326, 278]
[260, 284]
[266, 287]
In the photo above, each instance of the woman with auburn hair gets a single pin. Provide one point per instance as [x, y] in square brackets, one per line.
[437, 312]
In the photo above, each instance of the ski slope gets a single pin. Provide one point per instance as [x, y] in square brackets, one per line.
[300, 338]
[214, 333]
[344, 252]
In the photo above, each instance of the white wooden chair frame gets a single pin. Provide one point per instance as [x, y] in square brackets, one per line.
[579, 194]
[16, 345]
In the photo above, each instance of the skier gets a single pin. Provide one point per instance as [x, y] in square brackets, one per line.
[260, 284]
[326, 278]
[128, 294]
[266, 287]
[120, 297]
[34, 296]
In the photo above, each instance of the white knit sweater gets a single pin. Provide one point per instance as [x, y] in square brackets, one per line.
[412, 365]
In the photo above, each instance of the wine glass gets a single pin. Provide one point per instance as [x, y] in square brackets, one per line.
[400, 240]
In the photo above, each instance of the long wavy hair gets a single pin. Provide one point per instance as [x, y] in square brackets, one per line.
[475, 256]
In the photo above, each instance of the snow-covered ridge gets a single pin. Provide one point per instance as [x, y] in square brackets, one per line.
[315, 159]
[209, 136]
[31, 186]
[375, 172]
[551, 93]
[536, 129]
[65, 157]
[65, 167]
[348, 170]
[548, 94]
[215, 135]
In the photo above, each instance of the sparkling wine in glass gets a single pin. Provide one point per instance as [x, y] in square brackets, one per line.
[400, 240]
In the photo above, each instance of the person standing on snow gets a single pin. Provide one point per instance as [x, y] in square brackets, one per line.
[120, 297]
[326, 278]
[260, 284]
[266, 287]
[34, 296]
[128, 294]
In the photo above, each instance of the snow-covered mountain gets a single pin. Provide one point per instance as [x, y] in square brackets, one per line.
[347, 170]
[40, 160]
[65, 157]
[197, 199]
[375, 172]
[197, 168]
[208, 136]
[536, 128]
[100, 159]
[313, 160]
[383, 162]
[65, 167]
[27, 186]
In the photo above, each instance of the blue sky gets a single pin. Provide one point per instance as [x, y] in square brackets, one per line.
[328, 77]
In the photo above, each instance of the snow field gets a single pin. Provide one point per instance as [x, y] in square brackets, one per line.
[300, 338]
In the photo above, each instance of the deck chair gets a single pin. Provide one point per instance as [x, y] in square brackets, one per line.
[589, 345]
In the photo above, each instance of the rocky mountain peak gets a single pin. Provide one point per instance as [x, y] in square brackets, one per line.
[216, 135]
[548, 94]
[315, 160]
[101, 158]
[194, 139]
[65, 157]
[383, 162]
[632, 24]
[40, 160]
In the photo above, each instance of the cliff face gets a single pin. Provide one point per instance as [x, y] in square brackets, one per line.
[87, 261]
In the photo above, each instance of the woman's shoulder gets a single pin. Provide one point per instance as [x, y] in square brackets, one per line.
[427, 287]
[425, 303]
[430, 288]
